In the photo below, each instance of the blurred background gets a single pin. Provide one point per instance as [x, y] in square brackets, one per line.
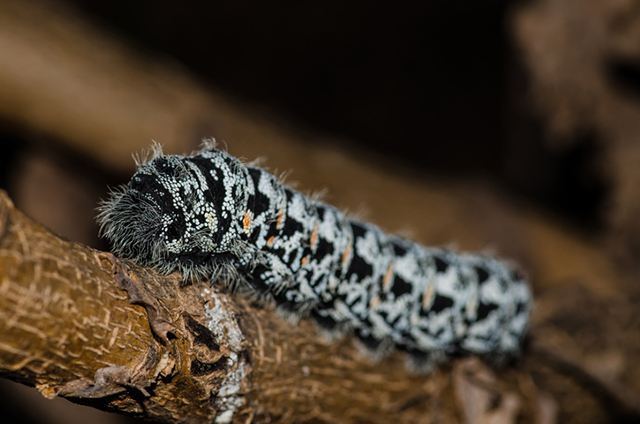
[508, 125]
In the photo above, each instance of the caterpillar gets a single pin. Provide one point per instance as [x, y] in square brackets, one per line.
[210, 216]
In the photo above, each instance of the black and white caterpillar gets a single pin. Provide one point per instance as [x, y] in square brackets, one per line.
[211, 216]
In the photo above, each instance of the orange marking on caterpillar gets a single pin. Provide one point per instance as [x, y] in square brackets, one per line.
[345, 255]
[246, 222]
[270, 241]
[305, 260]
[280, 220]
[374, 302]
[427, 297]
[314, 236]
[388, 278]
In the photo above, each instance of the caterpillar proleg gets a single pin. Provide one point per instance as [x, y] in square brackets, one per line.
[212, 217]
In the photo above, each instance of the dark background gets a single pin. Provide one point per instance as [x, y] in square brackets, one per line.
[436, 85]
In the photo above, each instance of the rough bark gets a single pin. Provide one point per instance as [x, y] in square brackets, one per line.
[74, 323]
[80, 323]
[105, 332]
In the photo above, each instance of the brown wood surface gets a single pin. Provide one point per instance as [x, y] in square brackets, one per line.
[79, 323]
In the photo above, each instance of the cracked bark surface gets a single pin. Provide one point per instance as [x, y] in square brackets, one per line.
[105, 332]
[108, 333]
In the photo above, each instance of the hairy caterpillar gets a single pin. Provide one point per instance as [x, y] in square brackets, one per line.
[211, 216]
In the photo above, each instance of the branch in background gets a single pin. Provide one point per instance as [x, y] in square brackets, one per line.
[61, 77]
[581, 60]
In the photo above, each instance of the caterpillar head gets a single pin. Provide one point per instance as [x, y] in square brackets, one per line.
[178, 213]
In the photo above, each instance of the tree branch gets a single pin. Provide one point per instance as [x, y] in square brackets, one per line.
[102, 331]
[106, 332]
